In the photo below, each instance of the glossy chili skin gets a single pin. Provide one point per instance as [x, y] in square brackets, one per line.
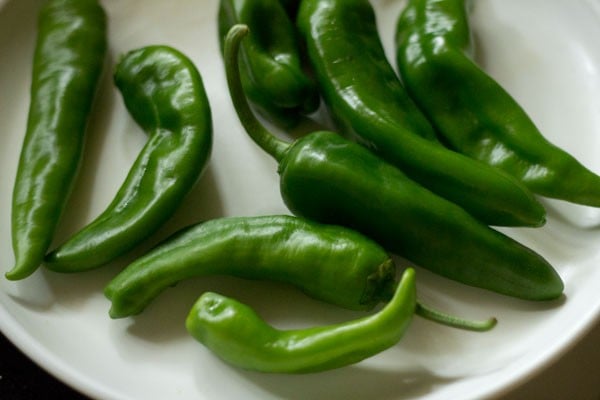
[272, 73]
[67, 65]
[326, 178]
[164, 93]
[330, 263]
[239, 336]
[366, 98]
[472, 112]
[329, 179]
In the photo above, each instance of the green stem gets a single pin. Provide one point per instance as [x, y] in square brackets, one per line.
[261, 136]
[455, 322]
[442, 318]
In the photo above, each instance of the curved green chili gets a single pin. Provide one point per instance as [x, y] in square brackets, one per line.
[472, 112]
[365, 97]
[163, 91]
[329, 179]
[236, 334]
[67, 64]
[330, 263]
[272, 73]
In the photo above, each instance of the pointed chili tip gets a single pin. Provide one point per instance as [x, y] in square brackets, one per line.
[18, 272]
[10, 275]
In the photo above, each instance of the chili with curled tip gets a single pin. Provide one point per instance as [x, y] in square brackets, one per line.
[366, 98]
[272, 73]
[329, 263]
[67, 64]
[163, 91]
[329, 179]
[239, 336]
[472, 112]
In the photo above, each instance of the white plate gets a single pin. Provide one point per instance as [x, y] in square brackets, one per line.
[549, 62]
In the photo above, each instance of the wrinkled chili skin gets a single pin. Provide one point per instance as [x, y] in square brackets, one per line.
[472, 112]
[272, 74]
[67, 65]
[164, 93]
[327, 178]
[239, 336]
[329, 263]
[366, 98]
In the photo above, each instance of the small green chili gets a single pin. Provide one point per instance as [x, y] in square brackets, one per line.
[329, 179]
[236, 334]
[163, 91]
[67, 64]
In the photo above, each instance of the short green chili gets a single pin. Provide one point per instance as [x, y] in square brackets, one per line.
[472, 112]
[272, 74]
[163, 91]
[366, 98]
[329, 179]
[67, 64]
[236, 334]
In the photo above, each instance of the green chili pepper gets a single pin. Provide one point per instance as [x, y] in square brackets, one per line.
[366, 98]
[329, 179]
[236, 334]
[472, 112]
[280, 248]
[272, 73]
[163, 91]
[67, 64]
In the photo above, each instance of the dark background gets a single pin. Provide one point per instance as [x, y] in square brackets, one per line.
[21, 379]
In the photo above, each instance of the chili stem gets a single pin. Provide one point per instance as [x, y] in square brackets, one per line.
[453, 321]
[261, 136]
[442, 318]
